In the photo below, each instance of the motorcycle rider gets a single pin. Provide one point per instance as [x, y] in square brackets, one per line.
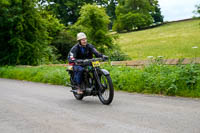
[81, 50]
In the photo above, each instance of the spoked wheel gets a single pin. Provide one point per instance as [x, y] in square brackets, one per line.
[77, 96]
[106, 92]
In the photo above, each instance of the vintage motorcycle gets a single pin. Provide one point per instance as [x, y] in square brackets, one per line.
[96, 81]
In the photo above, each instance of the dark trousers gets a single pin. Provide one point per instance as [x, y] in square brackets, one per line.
[78, 71]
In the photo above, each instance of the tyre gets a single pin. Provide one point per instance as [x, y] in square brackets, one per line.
[106, 93]
[77, 96]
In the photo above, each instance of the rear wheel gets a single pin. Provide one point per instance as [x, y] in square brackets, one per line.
[106, 91]
[77, 96]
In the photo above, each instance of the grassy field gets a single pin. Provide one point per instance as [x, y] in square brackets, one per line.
[172, 40]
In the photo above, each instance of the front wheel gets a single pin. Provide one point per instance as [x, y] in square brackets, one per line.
[106, 91]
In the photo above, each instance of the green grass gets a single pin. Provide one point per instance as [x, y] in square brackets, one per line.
[45, 74]
[173, 40]
[153, 79]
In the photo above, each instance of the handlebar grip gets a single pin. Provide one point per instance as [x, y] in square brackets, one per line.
[105, 57]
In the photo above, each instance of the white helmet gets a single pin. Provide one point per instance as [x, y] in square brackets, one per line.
[80, 36]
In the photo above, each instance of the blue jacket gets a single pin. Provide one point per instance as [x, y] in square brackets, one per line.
[79, 52]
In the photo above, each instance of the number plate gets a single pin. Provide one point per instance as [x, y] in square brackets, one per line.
[95, 63]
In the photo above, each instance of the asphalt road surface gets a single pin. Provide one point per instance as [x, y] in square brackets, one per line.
[27, 107]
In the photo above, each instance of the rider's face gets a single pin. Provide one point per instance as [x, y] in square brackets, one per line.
[83, 42]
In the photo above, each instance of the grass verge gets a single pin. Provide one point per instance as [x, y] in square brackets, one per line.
[44, 74]
[153, 79]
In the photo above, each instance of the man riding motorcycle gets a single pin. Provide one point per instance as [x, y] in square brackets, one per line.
[81, 50]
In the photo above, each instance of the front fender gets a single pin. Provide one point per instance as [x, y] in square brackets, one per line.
[105, 72]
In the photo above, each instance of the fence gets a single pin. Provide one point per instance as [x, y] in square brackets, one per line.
[163, 61]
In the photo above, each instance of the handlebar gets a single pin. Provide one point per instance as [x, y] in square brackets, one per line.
[88, 61]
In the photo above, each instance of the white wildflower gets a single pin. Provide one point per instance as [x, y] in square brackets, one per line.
[194, 47]
[160, 56]
[150, 57]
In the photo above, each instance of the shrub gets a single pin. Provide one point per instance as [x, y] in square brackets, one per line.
[63, 42]
[116, 54]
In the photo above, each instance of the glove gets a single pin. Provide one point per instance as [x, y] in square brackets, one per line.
[105, 57]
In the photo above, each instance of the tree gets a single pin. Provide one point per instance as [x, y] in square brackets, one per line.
[156, 14]
[68, 10]
[133, 14]
[110, 10]
[26, 33]
[197, 9]
[94, 22]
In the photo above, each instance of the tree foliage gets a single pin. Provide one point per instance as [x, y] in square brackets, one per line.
[136, 14]
[110, 10]
[197, 9]
[31, 32]
[68, 10]
[63, 42]
[156, 14]
[94, 22]
[26, 33]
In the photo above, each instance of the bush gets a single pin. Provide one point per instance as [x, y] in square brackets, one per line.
[116, 54]
[63, 42]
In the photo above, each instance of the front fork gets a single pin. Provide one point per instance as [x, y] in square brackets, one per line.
[98, 80]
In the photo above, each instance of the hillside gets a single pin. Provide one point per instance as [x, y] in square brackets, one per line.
[172, 40]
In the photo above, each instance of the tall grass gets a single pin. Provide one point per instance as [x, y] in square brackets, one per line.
[173, 40]
[44, 74]
[159, 79]
[154, 79]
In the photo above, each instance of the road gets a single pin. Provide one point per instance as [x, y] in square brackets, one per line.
[27, 107]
